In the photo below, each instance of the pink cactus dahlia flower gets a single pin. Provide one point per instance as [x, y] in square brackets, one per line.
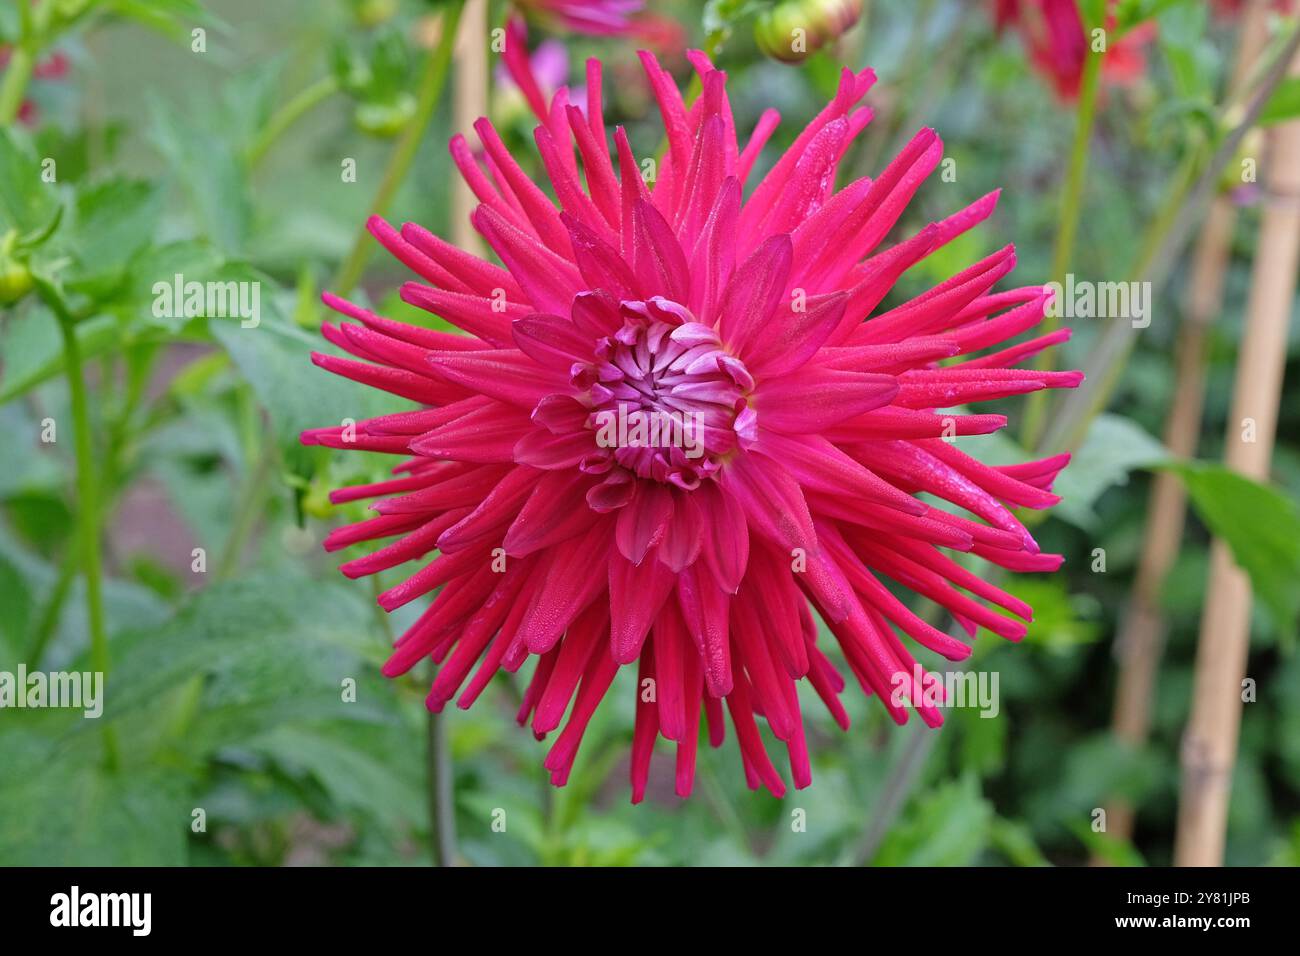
[795, 417]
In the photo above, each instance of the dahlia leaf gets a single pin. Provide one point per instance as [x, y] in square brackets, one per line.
[1113, 448]
[1262, 527]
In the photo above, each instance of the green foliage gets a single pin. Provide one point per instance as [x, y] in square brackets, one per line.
[1114, 446]
[1261, 526]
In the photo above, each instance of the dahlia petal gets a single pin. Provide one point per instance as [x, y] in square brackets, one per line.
[979, 335]
[488, 319]
[657, 257]
[852, 87]
[551, 452]
[600, 263]
[595, 684]
[725, 536]
[770, 577]
[714, 254]
[541, 214]
[566, 588]
[816, 399]
[644, 522]
[436, 573]
[414, 334]
[517, 62]
[486, 434]
[552, 513]
[636, 593]
[644, 730]
[993, 480]
[385, 526]
[740, 706]
[1015, 354]
[583, 637]
[813, 175]
[457, 488]
[703, 180]
[911, 423]
[412, 258]
[551, 340]
[751, 652]
[1041, 474]
[673, 690]
[795, 336]
[483, 278]
[927, 313]
[575, 203]
[820, 466]
[399, 382]
[508, 375]
[548, 281]
[705, 610]
[753, 293]
[601, 184]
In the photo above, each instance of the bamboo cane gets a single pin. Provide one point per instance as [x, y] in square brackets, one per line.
[470, 102]
[1140, 641]
[1209, 749]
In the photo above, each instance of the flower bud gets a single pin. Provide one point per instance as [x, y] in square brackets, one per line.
[792, 30]
[15, 277]
[386, 118]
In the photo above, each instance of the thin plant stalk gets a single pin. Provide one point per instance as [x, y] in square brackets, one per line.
[1139, 642]
[1067, 229]
[441, 793]
[290, 113]
[13, 84]
[432, 82]
[1209, 748]
[469, 102]
[88, 513]
[1169, 231]
[22, 62]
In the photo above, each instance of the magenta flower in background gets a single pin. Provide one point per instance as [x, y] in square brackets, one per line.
[623, 18]
[1054, 38]
[600, 17]
[681, 421]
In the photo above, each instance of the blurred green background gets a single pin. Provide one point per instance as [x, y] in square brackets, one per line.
[225, 688]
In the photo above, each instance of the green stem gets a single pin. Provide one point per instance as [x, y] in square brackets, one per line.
[50, 615]
[13, 85]
[33, 30]
[903, 777]
[442, 802]
[289, 114]
[88, 517]
[1108, 357]
[427, 97]
[1067, 229]
[250, 509]
[1168, 233]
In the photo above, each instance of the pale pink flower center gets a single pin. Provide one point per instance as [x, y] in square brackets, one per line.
[669, 399]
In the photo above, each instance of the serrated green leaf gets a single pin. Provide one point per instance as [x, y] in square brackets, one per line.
[1262, 528]
[1113, 447]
